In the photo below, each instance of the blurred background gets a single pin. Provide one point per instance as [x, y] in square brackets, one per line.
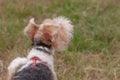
[94, 53]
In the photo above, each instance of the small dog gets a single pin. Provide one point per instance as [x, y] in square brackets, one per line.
[50, 36]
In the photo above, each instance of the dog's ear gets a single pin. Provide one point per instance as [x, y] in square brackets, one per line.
[64, 33]
[54, 34]
[31, 29]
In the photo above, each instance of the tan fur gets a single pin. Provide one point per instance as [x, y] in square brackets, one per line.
[46, 36]
[30, 30]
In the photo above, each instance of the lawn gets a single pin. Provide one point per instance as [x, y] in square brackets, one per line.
[94, 52]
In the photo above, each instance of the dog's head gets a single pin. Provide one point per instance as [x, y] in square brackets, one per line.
[56, 32]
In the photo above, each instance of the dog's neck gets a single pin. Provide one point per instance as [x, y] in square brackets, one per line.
[43, 49]
[41, 46]
[40, 43]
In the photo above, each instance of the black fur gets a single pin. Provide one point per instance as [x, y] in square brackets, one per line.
[43, 50]
[37, 42]
[38, 72]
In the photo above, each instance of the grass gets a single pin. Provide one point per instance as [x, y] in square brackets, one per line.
[94, 53]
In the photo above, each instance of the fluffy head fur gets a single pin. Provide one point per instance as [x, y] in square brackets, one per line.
[56, 32]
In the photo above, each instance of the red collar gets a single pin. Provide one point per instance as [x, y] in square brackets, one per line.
[34, 59]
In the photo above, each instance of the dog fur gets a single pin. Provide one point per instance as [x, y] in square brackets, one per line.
[50, 36]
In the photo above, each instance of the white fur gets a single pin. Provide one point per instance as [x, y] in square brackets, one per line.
[24, 62]
[17, 62]
[66, 24]
[68, 28]
[14, 65]
[43, 56]
[32, 21]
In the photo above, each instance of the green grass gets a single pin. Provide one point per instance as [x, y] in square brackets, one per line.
[95, 49]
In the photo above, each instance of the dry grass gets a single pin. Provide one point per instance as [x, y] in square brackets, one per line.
[92, 66]
[2, 71]
[94, 53]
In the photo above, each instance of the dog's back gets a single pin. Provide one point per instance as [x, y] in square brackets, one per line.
[38, 72]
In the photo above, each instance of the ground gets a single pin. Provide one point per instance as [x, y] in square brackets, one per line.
[94, 53]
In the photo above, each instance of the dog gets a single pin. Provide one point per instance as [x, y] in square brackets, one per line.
[51, 35]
